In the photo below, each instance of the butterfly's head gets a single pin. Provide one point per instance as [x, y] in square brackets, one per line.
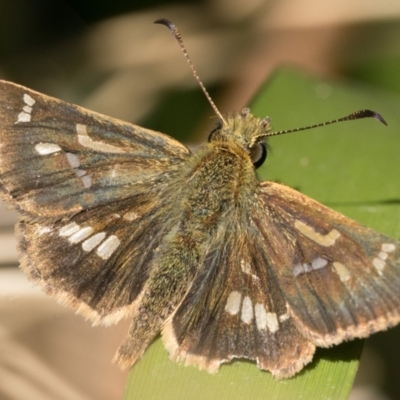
[246, 131]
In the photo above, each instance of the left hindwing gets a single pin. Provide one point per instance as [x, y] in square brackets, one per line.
[98, 261]
[57, 159]
[341, 280]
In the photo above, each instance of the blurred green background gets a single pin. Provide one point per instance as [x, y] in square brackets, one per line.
[108, 56]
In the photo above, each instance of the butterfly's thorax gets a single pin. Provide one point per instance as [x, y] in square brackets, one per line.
[217, 180]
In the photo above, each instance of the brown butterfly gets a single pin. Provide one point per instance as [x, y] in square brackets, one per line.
[118, 221]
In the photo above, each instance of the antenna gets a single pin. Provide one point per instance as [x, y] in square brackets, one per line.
[356, 115]
[176, 34]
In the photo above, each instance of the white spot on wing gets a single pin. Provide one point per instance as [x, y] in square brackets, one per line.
[80, 235]
[261, 316]
[25, 114]
[298, 269]
[24, 117]
[316, 264]
[319, 263]
[272, 322]
[73, 160]
[80, 172]
[233, 302]
[108, 247]
[29, 100]
[93, 241]
[69, 229]
[247, 310]
[87, 181]
[86, 141]
[47, 148]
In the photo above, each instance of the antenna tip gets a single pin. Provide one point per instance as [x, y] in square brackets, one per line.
[378, 116]
[365, 114]
[166, 22]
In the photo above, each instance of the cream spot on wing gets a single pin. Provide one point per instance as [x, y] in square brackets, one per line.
[80, 235]
[261, 316]
[73, 160]
[323, 240]
[69, 229]
[272, 322]
[43, 230]
[93, 241]
[108, 247]
[86, 141]
[342, 271]
[383, 255]
[388, 247]
[47, 148]
[379, 264]
[245, 267]
[27, 109]
[233, 303]
[283, 317]
[130, 216]
[247, 310]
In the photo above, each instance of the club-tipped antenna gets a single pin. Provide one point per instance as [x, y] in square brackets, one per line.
[176, 34]
[356, 115]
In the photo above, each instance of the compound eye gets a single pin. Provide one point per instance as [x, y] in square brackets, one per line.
[214, 131]
[258, 154]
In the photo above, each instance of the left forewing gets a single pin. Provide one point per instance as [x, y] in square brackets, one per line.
[57, 159]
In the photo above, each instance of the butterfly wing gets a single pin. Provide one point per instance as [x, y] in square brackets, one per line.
[93, 193]
[235, 309]
[341, 280]
[58, 159]
[290, 276]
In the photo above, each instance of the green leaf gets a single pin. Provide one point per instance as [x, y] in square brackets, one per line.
[352, 167]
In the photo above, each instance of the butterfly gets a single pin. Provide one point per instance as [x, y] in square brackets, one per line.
[118, 221]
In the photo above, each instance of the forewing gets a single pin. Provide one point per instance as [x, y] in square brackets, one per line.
[340, 279]
[57, 159]
[236, 309]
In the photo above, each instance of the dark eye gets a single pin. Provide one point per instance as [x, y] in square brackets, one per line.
[258, 154]
[214, 131]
